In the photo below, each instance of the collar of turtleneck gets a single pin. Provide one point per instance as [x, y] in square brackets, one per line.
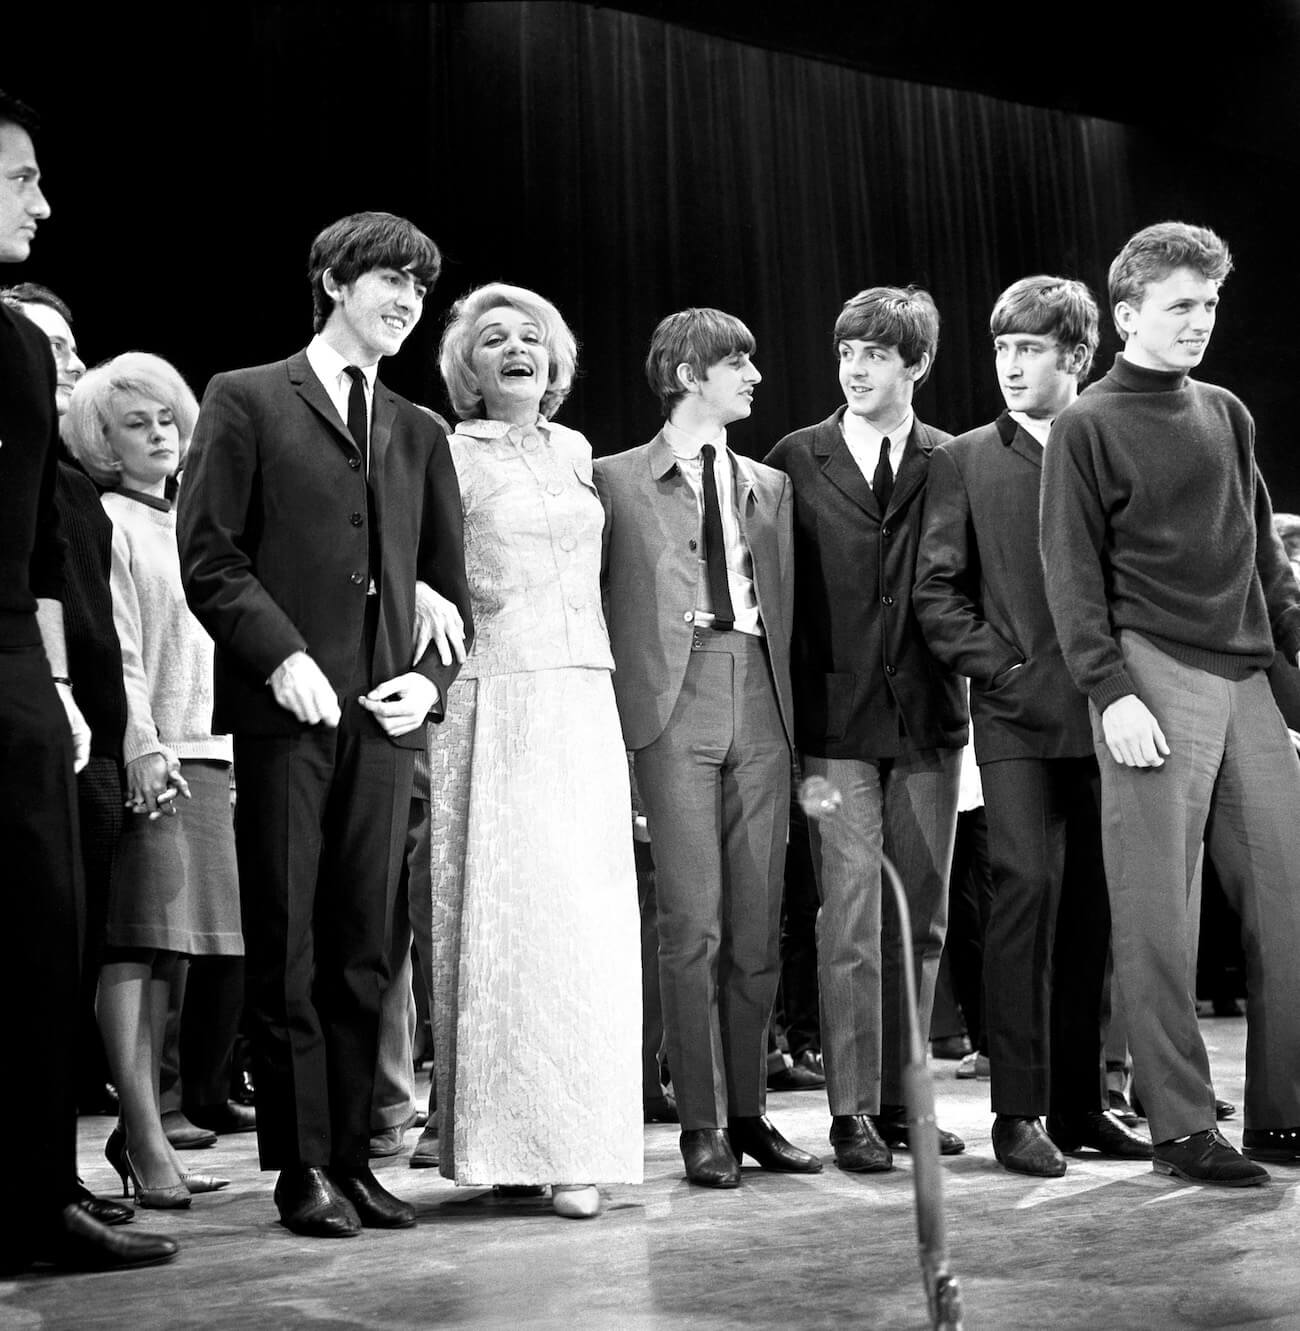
[1138, 379]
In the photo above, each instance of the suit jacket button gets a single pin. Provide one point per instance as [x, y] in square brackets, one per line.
[886, 531]
[692, 544]
[354, 463]
[357, 579]
[689, 616]
[886, 600]
[891, 670]
[355, 519]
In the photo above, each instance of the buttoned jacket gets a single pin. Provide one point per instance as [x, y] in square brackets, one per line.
[866, 686]
[651, 568]
[274, 540]
[981, 601]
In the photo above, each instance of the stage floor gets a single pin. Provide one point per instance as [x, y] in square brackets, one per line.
[1109, 1247]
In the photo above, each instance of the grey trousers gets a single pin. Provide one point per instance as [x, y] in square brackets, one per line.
[716, 791]
[1232, 778]
[907, 807]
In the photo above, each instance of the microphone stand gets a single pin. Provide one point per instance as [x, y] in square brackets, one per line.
[821, 800]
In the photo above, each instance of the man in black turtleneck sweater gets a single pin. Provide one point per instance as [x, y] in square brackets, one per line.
[1170, 594]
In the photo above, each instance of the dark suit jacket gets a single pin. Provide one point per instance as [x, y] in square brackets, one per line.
[650, 570]
[981, 601]
[858, 659]
[274, 548]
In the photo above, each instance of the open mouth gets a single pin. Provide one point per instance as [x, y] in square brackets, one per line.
[518, 370]
[397, 325]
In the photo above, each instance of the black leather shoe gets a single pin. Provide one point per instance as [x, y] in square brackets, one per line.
[375, 1206]
[1022, 1146]
[757, 1138]
[311, 1205]
[1206, 1157]
[1223, 1109]
[1100, 1132]
[1279, 1145]
[102, 1209]
[81, 1243]
[708, 1158]
[224, 1118]
[857, 1144]
[891, 1123]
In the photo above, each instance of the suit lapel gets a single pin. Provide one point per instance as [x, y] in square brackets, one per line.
[313, 393]
[1019, 440]
[838, 465]
[914, 467]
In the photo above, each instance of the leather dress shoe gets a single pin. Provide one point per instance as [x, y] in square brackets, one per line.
[390, 1140]
[805, 1073]
[375, 1206]
[81, 1243]
[104, 1210]
[757, 1138]
[708, 1158]
[224, 1118]
[1206, 1157]
[1223, 1109]
[310, 1204]
[1023, 1146]
[891, 1123]
[858, 1146]
[1098, 1131]
[1281, 1146]
[426, 1153]
[183, 1135]
[1117, 1103]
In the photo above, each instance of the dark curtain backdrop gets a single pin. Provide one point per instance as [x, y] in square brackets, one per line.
[622, 166]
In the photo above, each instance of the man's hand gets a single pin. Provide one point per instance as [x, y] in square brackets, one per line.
[1133, 735]
[77, 724]
[400, 705]
[153, 782]
[437, 621]
[299, 686]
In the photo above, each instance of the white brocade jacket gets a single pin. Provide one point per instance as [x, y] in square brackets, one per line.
[533, 526]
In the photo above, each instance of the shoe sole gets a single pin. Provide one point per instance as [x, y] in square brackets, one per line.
[1164, 1167]
[1273, 1157]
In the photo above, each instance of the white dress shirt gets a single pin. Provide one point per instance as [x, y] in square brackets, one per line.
[332, 371]
[864, 441]
[740, 563]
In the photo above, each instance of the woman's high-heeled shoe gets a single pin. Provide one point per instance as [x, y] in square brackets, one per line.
[173, 1197]
[113, 1149]
[197, 1183]
[575, 1201]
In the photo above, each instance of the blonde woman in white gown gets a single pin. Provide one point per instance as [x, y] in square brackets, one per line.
[537, 987]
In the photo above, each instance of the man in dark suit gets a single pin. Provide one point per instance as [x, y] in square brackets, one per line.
[875, 713]
[314, 499]
[697, 572]
[43, 741]
[981, 602]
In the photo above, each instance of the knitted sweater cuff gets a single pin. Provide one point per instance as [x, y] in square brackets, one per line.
[1110, 690]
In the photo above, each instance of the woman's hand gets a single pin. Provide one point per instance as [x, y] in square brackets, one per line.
[153, 783]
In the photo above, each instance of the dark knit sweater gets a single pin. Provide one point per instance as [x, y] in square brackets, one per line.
[1155, 518]
[94, 654]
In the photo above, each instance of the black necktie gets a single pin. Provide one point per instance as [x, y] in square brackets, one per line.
[715, 548]
[882, 483]
[358, 427]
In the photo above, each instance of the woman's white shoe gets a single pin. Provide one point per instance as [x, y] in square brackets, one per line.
[575, 1201]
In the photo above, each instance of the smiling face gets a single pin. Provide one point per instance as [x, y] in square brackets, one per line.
[68, 365]
[22, 205]
[372, 316]
[142, 434]
[726, 393]
[511, 363]
[1170, 328]
[877, 384]
[1036, 374]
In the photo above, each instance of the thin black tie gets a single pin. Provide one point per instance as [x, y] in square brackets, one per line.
[715, 549]
[882, 483]
[358, 424]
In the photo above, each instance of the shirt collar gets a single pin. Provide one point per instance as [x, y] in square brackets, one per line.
[863, 434]
[329, 365]
[1033, 426]
[686, 447]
